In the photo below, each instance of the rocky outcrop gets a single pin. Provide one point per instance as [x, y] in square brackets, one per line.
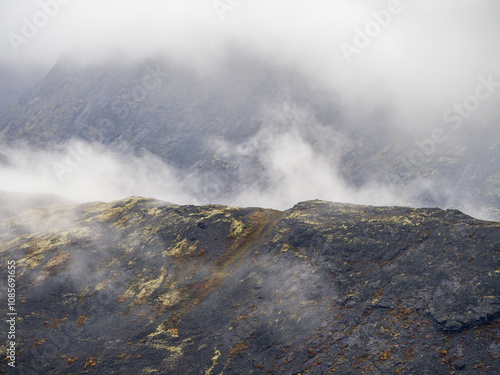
[142, 286]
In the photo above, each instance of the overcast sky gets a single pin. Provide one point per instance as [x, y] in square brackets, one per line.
[422, 55]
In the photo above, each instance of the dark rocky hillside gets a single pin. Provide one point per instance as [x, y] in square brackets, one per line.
[140, 286]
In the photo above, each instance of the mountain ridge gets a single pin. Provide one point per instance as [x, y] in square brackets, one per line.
[140, 285]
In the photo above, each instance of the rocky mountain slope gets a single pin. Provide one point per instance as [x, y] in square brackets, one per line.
[146, 287]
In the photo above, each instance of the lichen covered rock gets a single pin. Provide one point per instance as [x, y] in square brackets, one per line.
[142, 286]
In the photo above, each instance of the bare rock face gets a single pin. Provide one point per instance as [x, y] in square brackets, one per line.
[142, 286]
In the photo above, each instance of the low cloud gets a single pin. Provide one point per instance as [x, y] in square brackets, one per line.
[86, 172]
[292, 158]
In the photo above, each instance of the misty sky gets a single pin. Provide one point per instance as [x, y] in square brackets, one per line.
[429, 54]
[415, 59]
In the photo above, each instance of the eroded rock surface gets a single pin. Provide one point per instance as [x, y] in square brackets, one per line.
[145, 287]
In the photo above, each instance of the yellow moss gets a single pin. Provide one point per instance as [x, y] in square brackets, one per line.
[59, 259]
[47, 243]
[285, 248]
[182, 248]
[110, 211]
[212, 210]
[175, 352]
[154, 212]
[146, 288]
[378, 296]
[148, 370]
[215, 359]
[171, 298]
[131, 242]
[103, 285]
[237, 229]
[141, 288]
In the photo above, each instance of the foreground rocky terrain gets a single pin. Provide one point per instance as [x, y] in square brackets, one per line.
[140, 286]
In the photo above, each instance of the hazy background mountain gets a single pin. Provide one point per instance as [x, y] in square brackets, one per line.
[15, 83]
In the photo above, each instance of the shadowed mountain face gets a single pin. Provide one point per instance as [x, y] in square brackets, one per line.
[248, 126]
[141, 286]
[170, 110]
